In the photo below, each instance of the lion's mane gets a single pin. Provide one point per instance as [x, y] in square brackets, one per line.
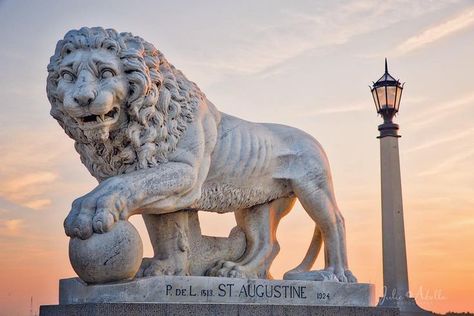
[161, 103]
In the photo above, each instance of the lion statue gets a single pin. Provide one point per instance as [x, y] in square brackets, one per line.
[160, 148]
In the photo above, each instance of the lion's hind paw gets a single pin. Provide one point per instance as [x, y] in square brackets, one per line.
[315, 275]
[350, 277]
[229, 269]
[154, 267]
[321, 275]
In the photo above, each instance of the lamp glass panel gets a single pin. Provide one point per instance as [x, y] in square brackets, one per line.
[374, 95]
[391, 90]
[399, 95]
[381, 96]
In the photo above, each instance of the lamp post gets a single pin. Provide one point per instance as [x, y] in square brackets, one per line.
[387, 93]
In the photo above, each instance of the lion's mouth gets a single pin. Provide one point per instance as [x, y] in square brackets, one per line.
[95, 120]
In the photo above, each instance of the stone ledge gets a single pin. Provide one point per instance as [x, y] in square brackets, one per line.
[136, 309]
[212, 290]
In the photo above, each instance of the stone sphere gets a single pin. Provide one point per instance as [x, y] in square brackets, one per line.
[112, 256]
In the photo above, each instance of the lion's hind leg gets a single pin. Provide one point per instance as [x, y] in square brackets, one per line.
[169, 238]
[259, 224]
[315, 193]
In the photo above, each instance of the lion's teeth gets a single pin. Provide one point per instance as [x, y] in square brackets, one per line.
[98, 119]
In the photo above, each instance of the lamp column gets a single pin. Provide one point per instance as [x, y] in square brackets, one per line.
[387, 92]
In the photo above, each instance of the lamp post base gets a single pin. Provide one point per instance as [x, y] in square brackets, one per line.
[406, 305]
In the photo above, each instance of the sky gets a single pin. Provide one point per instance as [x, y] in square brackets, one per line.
[306, 64]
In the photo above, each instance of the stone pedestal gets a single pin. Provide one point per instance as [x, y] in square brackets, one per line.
[175, 295]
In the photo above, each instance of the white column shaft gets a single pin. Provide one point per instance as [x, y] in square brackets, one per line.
[395, 272]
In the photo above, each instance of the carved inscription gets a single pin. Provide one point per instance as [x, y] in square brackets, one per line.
[250, 290]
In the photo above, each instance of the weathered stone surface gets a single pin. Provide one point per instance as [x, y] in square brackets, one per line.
[107, 257]
[176, 289]
[140, 309]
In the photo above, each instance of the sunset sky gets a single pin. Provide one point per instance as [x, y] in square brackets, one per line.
[306, 64]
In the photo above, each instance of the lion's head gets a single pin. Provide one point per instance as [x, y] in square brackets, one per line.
[119, 99]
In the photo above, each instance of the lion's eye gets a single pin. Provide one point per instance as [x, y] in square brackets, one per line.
[107, 73]
[67, 76]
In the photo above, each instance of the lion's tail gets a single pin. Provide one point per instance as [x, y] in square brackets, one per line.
[310, 257]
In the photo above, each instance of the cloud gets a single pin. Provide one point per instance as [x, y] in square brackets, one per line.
[31, 151]
[38, 204]
[463, 223]
[449, 163]
[25, 181]
[437, 32]
[29, 168]
[266, 46]
[11, 227]
[356, 107]
[26, 189]
[439, 141]
[441, 111]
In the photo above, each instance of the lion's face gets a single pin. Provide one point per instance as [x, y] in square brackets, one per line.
[119, 99]
[92, 89]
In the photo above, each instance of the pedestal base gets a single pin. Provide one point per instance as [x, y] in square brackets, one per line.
[140, 309]
[194, 296]
[406, 305]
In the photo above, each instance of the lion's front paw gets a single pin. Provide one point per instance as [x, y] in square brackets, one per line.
[153, 267]
[95, 212]
[231, 269]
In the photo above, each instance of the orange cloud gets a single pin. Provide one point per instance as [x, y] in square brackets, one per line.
[27, 189]
[11, 227]
[38, 204]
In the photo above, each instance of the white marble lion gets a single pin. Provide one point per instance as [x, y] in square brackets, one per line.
[160, 148]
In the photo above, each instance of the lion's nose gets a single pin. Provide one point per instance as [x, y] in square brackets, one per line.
[84, 97]
[83, 100]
